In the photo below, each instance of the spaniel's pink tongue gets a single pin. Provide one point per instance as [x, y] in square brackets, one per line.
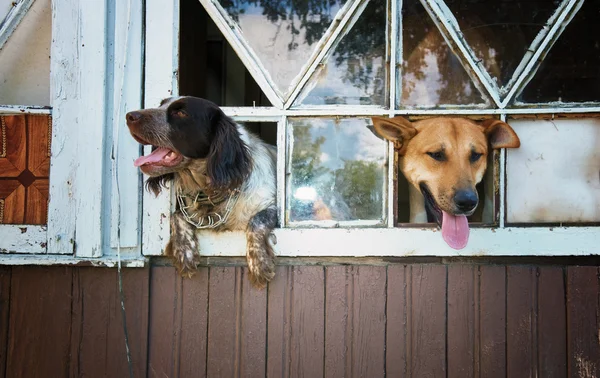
[156, 156]
[455, 230]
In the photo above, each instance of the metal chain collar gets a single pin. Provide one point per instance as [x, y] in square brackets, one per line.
[210, 220]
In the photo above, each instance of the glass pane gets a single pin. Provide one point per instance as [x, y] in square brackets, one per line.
[283, 34]
[355, 74]
[553, 176]
[25, 59]
[500, 32]
[337, 172]
[5, 7]
[571, 70]
[208, 66]
[431, 74]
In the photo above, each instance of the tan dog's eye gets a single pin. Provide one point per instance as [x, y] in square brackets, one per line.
[474, 156]
[438, 155]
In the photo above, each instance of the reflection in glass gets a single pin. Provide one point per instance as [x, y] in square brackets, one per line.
[355, 74]
[337, 172]
[571, 70]
[283, 33]
[431, 74]
[501, 32]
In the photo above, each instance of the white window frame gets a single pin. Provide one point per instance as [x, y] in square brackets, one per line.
[95, 197]
[356, 241]
[91, 60]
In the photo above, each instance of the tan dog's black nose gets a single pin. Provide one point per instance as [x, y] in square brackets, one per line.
[133, 117]
[465, 200]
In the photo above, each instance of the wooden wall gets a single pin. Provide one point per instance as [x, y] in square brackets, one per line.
[414, 320]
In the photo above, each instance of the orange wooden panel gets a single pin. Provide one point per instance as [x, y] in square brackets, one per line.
[12, 202]
[38, 156]
[36, 211]
[12, 145]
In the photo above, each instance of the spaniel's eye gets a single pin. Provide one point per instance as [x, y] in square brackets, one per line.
[179, 113]
[474, 156]
[437, 155]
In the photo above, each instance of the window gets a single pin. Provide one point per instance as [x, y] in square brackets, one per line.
[307, 76]
[323, 69]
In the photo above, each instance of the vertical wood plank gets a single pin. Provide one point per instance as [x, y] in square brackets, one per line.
[296, 322]
[396, 339]
[428, 320]
[552, 323]
[462, 339]
[165, 309]
[161, 65]
[126, 85]
[253, 330]
[40, 322]
[5, 275]
[339, 315]
[521, 321]
[583, 307]
[369, 322]
[492, 318]
[307, 328]
[355, 321]
[78, 66]
[194, 324]
[237, 325]
[223, 321]
[279, 323]
[98, 339]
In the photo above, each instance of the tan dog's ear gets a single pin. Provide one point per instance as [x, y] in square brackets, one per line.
[398, 129]
[500, 134]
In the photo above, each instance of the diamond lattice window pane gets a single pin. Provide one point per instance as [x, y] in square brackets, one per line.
[571, 70]
[501, 32]
[355, 74]
[283, 34]
[25, 59]
[431, 73]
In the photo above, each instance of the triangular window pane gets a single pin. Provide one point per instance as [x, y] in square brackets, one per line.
[355, 74]
[431, 73]
[501, 32]
[208, 66]
[5, 7]
[283, 34]
[25, 59]
[571, 70]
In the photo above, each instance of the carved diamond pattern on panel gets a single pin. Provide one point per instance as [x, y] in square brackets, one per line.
[24, 168]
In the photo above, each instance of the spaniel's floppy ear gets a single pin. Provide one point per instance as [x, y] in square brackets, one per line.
[228, 163]
[156, 184]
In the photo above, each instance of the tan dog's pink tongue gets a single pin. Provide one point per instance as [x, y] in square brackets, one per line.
[156, 156]
[455, 230]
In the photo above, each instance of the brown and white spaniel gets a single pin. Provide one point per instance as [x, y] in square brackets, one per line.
[223, 176]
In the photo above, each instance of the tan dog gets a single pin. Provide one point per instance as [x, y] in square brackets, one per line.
[443, 159]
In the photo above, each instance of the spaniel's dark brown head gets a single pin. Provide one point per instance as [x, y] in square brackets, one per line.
[186, 128]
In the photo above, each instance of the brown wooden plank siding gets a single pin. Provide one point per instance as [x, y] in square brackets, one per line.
[399, 320]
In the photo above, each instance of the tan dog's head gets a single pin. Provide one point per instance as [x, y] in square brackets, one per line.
[445, 158]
